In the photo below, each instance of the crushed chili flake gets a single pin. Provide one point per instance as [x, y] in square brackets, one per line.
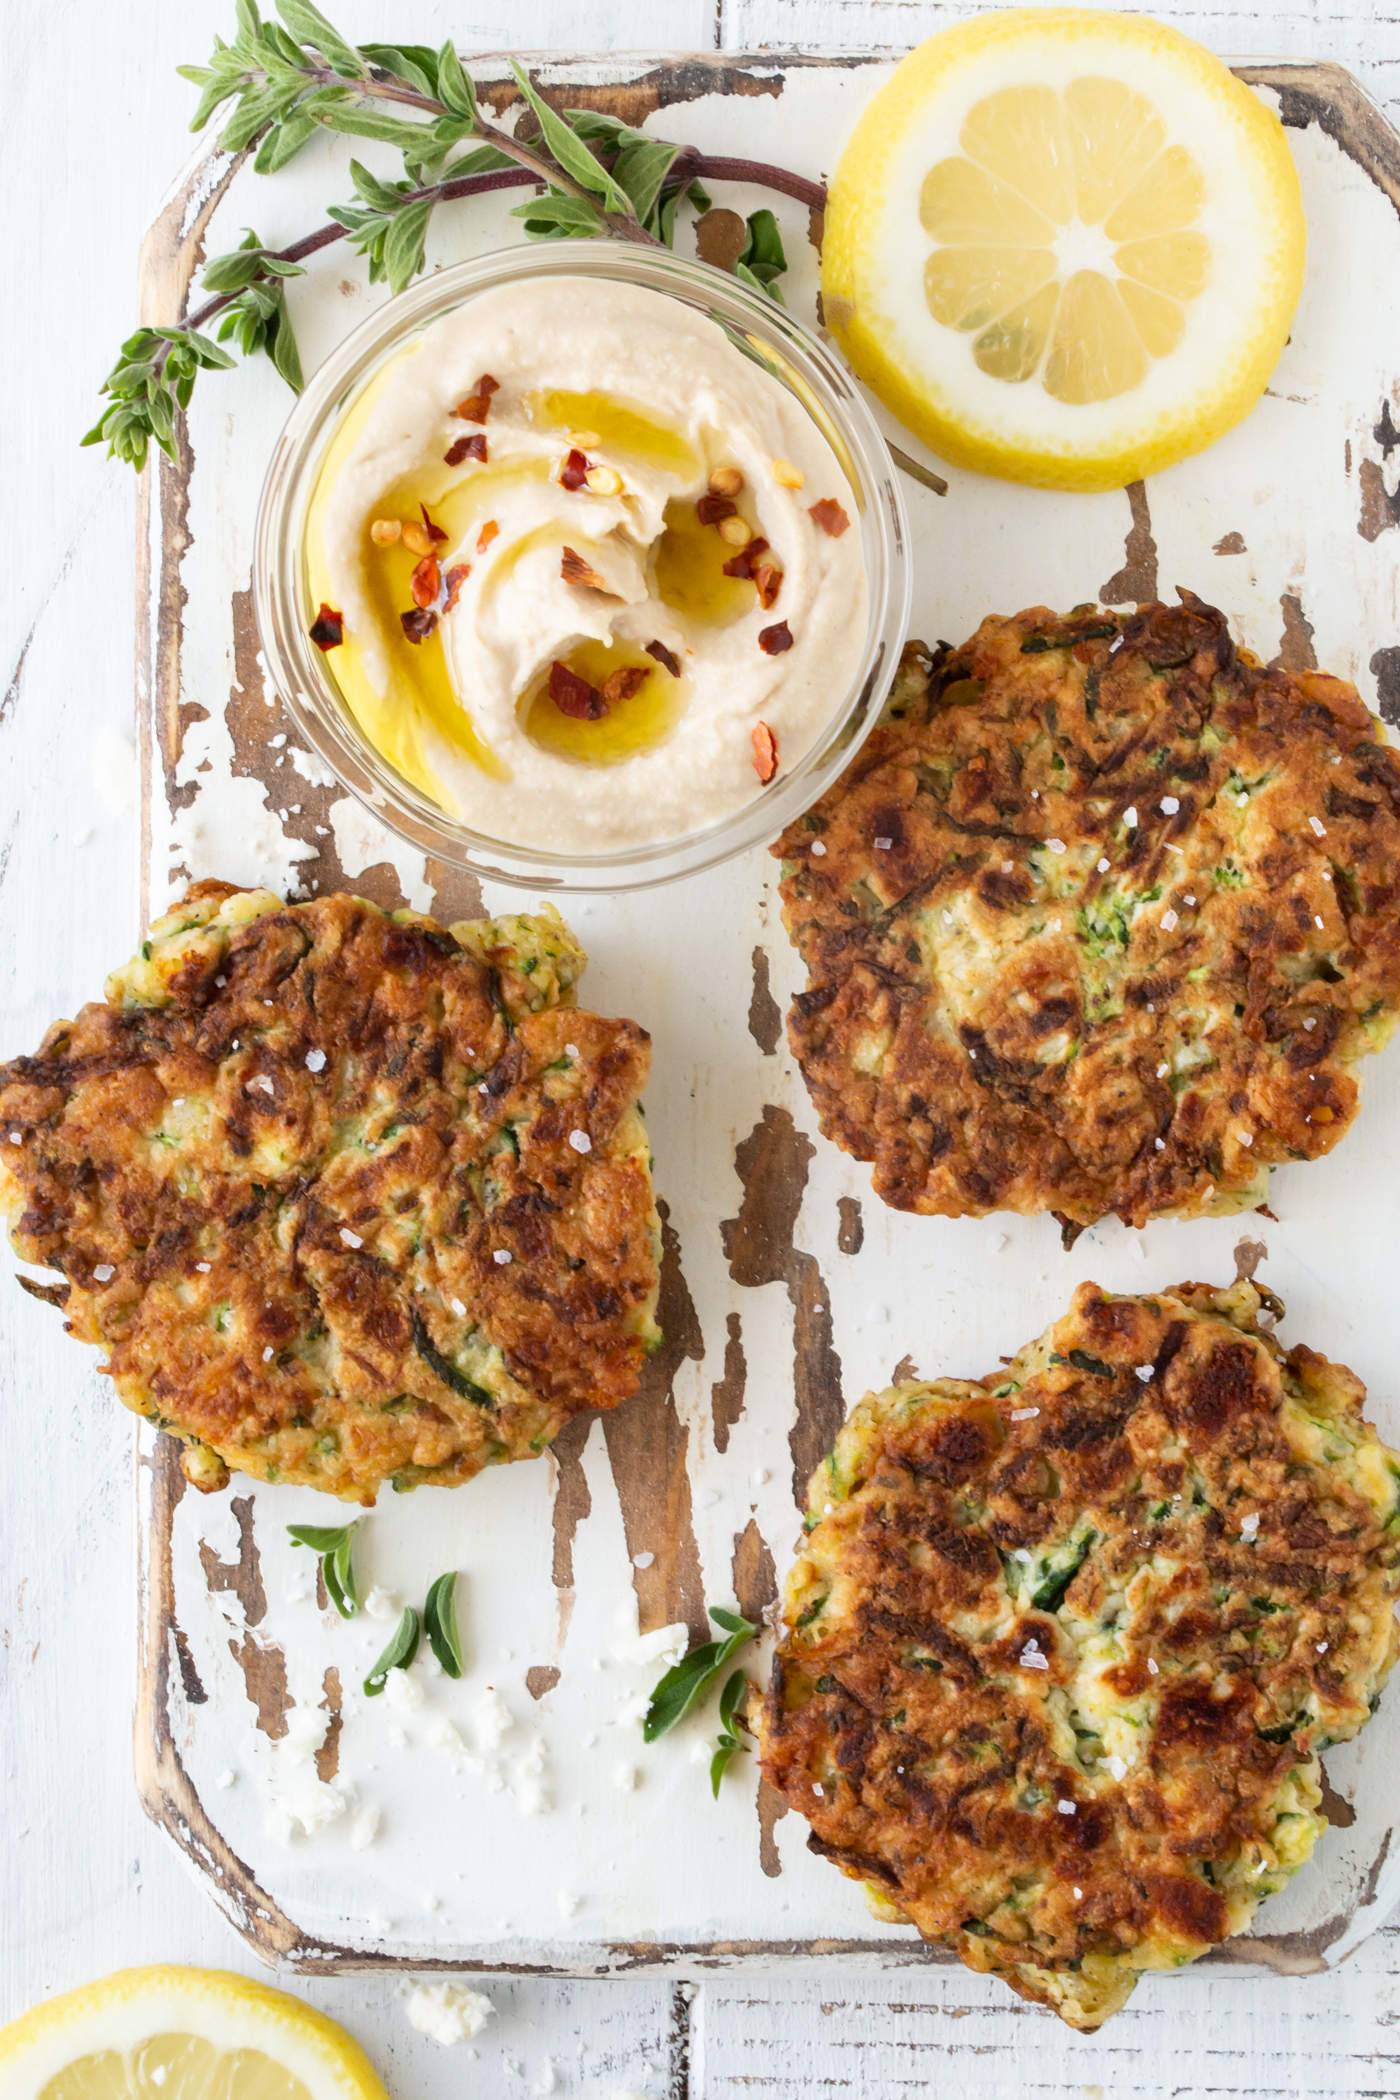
[574, 696]
[434, 532]
[418, 623]
[710, 509]
[765, 752]
[487, 533]
[774, 640]
[768, 581]
[426, 581]
[830, 516]
[574, 472]
[477, 405]
[742, 563]
[574, 569]
[473, 447]
[456, 577]
[327, 630]
[663, 656]
[624, 683]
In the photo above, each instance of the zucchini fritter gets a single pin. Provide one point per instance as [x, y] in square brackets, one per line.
[345, 1197]
[1064, 1644]
[1099, 920]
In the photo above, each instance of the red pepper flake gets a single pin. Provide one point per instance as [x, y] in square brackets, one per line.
[418, 623]
[710, 509]
[477, 405]
[456, 577]
[774, 640]
[434, 532]
[473, 447]
[574, 696]
[624, 683]
[663, 656]
[765, 752]
[830, 516]
[574, 569]
[426, 581]
[742, 564]
[327, 630]
[768, 581]
[574, 472]
[487, 533]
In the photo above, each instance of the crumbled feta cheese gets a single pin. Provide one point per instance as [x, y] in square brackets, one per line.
[227, 1778]
[501, 1257]
[402, 1691]
[626, 1778]
[382, 1604]
[364, 1829]
[580, 1140]
[1249, 1525]
[448, 2012]
[760, 1477]
[1117, 1767]
[315, 1060]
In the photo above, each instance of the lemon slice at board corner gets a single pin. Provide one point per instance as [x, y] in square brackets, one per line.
[181, 2034]
[1064, 246]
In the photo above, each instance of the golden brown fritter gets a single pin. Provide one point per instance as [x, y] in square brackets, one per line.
[1099, 920]
[346, 1197]
[1063, 1644]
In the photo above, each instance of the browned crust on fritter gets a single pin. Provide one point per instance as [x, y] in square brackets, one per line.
[354, 1268]
[939, 1076]
[917, 1720]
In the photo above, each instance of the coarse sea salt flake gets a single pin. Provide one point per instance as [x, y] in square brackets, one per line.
[351, 1239]
[580, 1140]
[883, 845]
[1102, 866]
[1023, 1414]
[501, 1256]
[818, 849]
[1067, 1808]
[104, 1272]
[1169, 805]
[1169, 921]
[1143, 1371]
[1056, 845]
[1117, 1767]
[1130, 816]
[315, 1060]
[1318, 826]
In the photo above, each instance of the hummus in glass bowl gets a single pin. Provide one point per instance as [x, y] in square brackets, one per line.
[581, 570]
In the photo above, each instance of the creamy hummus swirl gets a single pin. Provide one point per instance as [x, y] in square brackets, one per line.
[661, 408]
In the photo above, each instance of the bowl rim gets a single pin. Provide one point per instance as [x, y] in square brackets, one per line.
[295, 667]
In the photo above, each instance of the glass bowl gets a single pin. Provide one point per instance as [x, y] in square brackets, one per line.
[297, 668]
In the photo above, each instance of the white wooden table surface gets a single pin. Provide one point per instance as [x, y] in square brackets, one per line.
[92, 129]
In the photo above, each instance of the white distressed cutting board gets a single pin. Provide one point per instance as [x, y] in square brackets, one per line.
[515, 1820]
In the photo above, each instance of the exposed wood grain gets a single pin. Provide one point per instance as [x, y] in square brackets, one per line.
[92, 1883]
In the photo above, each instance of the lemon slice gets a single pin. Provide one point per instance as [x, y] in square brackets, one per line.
[181, 2034]
[1064, 246]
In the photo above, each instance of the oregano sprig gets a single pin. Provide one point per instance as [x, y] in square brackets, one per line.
[696, 1674]
[333, 1543]
[288, 80]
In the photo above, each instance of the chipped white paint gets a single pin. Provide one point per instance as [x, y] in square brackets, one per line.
[88, 1884]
